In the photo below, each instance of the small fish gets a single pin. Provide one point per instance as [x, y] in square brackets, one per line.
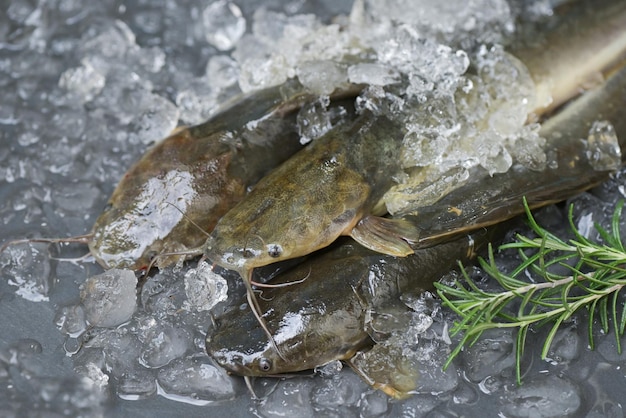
[328, 189]
[327, 319]
[185, 183]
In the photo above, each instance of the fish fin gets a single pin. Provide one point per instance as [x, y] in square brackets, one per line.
[399, 384]
[385, 235]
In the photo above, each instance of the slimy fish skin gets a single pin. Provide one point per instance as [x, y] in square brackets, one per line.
[175, 194]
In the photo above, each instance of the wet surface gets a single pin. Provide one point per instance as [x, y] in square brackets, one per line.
[85, 90]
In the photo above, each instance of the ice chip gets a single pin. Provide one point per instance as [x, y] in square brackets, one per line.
[27, 267]
[322, 76]
[314, 120]
[164, 342]
[373, 404]
[204, 288]
[290, 399]
[109, 299]
[108, 40]
[151, 59]
[157, 121]
[494, 352]
[195, 380]
[262, 73]
[373, 73]
[84, 81]
[224, 24]
[194, 105]
[329, 369]
[603, 148]
[222, 71]
[70, 320]
[138, 384]
[544, 396]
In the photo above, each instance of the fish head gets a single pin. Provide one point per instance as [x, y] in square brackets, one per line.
[239, 345]
[242, 255]
[278, 226]
[305, 336]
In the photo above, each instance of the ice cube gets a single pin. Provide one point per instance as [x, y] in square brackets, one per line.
[373, 73]
[84, 81]
[195, 380]
[195, 105]
[108, 40]
[163, 342]
[223, 24]
[70, 320]
[222, 71]
[322, 76]
[157, 121]
[545, 396]
[204, 288]
[109, 299]
[603, 149]
[291, 398]
[27, 267]
[373, 404]
[490, 355]
[314, 120]
[136, 384]
[261, 73]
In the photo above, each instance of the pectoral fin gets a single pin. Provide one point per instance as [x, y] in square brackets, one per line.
[386, 371]
[387, 236]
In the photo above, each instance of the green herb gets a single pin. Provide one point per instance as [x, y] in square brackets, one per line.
[596, 275]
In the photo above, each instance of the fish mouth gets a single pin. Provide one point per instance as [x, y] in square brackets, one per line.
[233, 363]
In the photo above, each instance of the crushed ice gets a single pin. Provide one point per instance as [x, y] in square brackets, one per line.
[89, 86]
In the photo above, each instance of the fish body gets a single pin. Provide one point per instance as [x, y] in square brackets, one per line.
[175, 194]
[569, 56]
[328, 189]
[575, 140]
[326, 321]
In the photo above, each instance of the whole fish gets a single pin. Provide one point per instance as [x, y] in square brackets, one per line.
[328, 189]
[170, 199]
[325, 321]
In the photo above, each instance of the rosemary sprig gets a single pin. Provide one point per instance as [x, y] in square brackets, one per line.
[596, 273]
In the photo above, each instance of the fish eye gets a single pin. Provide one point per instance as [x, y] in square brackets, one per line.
[274, 250]
[265, 364]
[151, 255]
